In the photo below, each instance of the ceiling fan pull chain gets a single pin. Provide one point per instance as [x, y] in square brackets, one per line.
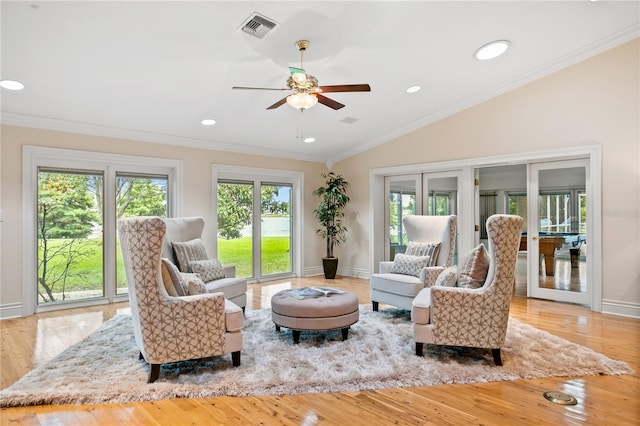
[300, 133]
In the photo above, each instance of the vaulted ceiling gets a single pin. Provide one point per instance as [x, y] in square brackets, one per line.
[154, 70]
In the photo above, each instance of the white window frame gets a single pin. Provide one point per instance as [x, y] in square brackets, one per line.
[34, 157]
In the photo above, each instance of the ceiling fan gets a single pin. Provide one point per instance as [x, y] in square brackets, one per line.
[304, 87]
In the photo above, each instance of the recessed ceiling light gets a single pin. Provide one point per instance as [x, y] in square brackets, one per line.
[309, 140]
[11, 85]
[492, 50]
[413, 89]
[208, 122]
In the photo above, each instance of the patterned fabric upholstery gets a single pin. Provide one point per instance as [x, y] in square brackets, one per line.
[169, 329]
[399, 290]
[475, 317]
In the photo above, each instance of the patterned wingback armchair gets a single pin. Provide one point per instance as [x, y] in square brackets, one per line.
[166, 328]
[399, 289]
[473, 317]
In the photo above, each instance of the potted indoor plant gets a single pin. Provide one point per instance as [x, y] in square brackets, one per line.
[330, 211]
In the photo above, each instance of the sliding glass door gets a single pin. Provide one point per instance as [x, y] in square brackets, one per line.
[255, 227]
[72, 203]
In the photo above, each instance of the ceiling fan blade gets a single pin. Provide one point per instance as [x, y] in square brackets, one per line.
[278, 104]
[345, 88]
[328, 102]
[256, 88]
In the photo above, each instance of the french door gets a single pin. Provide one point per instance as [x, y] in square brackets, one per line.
[557, 238]
[434, 194]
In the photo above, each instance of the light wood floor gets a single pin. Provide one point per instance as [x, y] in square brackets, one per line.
[604, 400]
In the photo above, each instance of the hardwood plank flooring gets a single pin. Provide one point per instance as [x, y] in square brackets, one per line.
[603, 400]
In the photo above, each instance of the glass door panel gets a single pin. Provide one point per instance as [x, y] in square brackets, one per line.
[70, 240]
[235, 226]
[557, 240]
[276, 229]
[137, 195]
[441, 196]
[403, 199]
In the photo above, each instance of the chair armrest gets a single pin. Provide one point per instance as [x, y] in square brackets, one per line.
[234, 317]
[385, 266]
[452, 304]
[230, 271]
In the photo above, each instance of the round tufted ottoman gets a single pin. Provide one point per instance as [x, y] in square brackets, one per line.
[332, 312]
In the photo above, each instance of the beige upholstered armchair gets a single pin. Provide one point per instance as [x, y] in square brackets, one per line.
[185, 229]
[166, 328]
[399, 289]
[473, 317]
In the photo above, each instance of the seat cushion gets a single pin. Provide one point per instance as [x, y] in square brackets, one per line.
[231, 287]
[405, 285]
[421, 306]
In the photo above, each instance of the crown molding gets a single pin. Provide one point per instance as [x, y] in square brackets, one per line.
[45, 123]
[565, 61]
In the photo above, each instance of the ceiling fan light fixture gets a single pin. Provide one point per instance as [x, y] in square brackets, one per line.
[302, 100]
[309, 140]
[492, 50]
[208, 122]
[413, 89]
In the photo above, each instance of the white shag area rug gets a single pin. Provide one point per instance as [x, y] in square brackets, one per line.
[379, 353]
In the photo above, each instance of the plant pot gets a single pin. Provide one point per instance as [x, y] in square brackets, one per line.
[330, 266]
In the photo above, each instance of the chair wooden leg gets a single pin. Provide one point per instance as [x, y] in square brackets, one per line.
[235, 358]
[419, 346]
[374, 305]
[154, 373]
[496, 356]
[296, 336]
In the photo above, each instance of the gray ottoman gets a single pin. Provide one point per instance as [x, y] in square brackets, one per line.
[332, 312]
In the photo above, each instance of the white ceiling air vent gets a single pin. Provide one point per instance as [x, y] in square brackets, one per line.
[258, 25]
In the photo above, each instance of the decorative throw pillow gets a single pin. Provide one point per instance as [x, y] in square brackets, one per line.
[185, 252]
[194, 284]
[472, 272]
[424, 249]
[448, 277]
[173, 284]
[208, 270]
[408, 265]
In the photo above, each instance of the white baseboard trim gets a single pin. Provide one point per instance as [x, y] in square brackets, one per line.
[313, 271]
[624, 309]
[354, 273]
[345, 272]
[11, 310]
